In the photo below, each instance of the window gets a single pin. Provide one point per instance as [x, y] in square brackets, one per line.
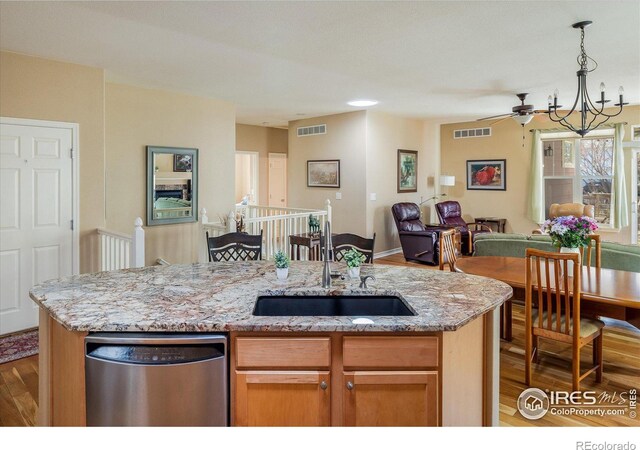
[579, 171]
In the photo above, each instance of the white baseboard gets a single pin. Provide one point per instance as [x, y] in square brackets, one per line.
[393, 251]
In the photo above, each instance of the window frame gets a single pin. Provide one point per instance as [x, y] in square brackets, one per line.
[578, 177]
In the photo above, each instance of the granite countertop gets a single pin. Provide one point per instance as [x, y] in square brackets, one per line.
[221, 297]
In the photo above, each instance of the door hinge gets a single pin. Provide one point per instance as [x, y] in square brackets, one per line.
[71, 224]
[71, 153]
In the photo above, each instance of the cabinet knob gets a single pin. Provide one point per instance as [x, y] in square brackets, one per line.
[349, 385]
[323, 385]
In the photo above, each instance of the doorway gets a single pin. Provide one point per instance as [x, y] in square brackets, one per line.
[38, 213]
[247, 177]
[278, 179]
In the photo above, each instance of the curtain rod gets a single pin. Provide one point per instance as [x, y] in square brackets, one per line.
[558, 130]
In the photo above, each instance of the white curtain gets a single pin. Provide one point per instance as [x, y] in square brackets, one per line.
[536, 187]
[620, 216]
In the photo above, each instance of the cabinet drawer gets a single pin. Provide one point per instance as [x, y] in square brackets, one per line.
[287, 353]
[382, 352]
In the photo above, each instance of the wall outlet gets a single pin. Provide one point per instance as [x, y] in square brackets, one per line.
[373, 197]
[338, 195]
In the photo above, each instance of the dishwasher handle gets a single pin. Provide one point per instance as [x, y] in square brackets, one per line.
[155, 338]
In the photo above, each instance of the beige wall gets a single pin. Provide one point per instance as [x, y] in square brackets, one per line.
[36, 88]
[506, 143]
[263, 140]
[137, 117]
[345, 140]
[386, 134]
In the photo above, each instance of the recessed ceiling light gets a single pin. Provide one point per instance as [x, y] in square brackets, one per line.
[362, 102]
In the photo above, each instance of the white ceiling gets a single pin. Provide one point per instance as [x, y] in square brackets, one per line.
[277, 60]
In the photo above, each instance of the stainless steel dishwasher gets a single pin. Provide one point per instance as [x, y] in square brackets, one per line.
[156, 379]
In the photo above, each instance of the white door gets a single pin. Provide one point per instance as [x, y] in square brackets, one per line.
[277, 179]
[36, 207]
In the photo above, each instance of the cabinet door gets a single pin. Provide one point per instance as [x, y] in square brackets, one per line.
[282, 398]
[391, 398]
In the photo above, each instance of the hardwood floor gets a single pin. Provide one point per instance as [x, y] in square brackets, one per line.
[19, 392]
[19, 379]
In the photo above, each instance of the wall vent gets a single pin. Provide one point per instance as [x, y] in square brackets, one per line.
[471, 133]
[312, 130]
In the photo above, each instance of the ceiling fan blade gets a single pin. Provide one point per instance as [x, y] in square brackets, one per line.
[500, 120]
[493, 117]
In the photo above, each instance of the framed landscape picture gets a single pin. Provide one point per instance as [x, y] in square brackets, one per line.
[182, 163]
[323, 173]
[487, 175]
[407, 171]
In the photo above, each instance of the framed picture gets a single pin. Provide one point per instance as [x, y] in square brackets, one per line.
[323, 173]
[182, 163]
[635, 132]
[568, 156]
[407, 171]
[487, 175]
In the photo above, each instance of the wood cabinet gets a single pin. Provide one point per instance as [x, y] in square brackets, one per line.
[355, 381]
[390, 398]
[282, 398]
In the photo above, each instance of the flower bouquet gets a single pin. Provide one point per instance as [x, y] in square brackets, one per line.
[570, 233]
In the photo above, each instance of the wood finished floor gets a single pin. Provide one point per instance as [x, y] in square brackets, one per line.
[19, 379]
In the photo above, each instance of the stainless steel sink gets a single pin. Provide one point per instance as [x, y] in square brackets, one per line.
[332, 305]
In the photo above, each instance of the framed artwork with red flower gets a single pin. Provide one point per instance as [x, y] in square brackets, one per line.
[487, 175]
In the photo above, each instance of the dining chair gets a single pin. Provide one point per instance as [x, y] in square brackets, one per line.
[344, 242]
[235, 246]
[585, 252]
[448, 249]
[556, 292]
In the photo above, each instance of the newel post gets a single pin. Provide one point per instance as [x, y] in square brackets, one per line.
[328, 207]
[137, 244]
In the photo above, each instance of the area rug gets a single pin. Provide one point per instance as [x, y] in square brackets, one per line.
[17, 346]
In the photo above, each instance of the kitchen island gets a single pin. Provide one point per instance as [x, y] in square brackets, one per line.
[437, 367]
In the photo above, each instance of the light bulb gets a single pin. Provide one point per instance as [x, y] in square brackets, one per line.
[550, 100]
[621, 91]
[555, 93]
[601, 87]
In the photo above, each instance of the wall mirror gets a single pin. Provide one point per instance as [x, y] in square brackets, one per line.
[172, 185]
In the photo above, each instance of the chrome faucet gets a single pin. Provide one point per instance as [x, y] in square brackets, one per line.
[326, 271]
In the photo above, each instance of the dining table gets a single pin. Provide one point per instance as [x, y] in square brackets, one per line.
[604, 292]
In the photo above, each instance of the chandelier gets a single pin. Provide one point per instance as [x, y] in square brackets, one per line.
[591, 116]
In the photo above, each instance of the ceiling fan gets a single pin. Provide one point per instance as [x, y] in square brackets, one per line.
[520, 113]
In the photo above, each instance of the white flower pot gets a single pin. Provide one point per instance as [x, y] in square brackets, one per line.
[354, 272]
[570, 263]
[282, 274]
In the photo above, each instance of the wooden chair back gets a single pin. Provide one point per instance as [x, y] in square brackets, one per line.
[448, 249]
[594, 245]
[346, 241]
[235, 247]
[556, 290]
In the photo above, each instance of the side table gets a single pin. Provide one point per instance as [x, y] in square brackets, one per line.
[498, 222]
[311, 241]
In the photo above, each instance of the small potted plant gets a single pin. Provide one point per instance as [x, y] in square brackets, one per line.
[354, 260]
[282, 265]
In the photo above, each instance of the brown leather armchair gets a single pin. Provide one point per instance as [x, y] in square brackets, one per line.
[418, 242]
[450, 213]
